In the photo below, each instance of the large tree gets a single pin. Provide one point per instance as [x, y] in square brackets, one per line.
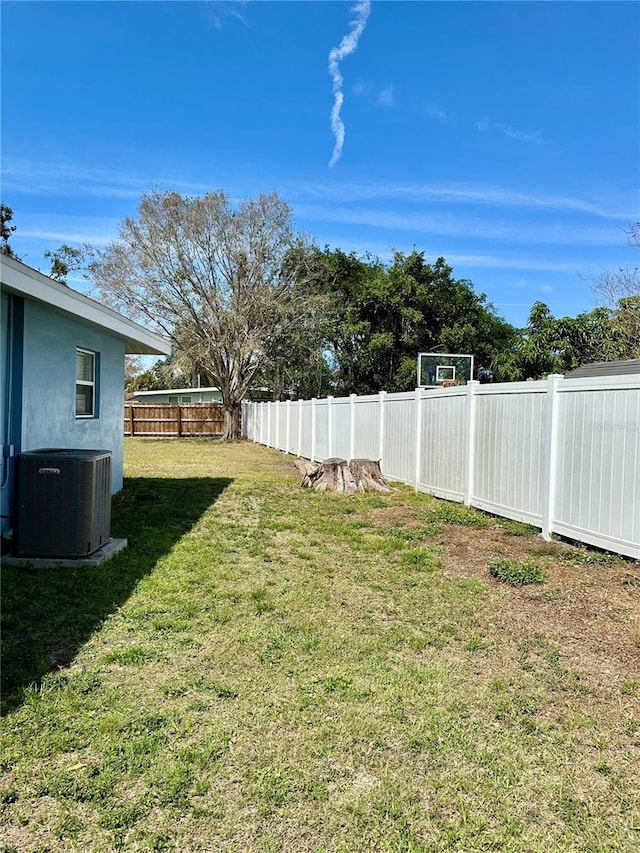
[216, 278]
[620, 292]
[382, 316]
[551, 344]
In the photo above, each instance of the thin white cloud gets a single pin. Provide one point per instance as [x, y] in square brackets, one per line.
[348, 45]
[55, 228]
[386, 97]
[63, 179]
[360, 88]
[385, 251]
[521, 135]
[219, 13]
[466, 227]
[69, 237]
[458, 193]
[511, 263]
[435, 111]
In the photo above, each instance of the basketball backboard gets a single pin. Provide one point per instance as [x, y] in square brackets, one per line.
[443, 369]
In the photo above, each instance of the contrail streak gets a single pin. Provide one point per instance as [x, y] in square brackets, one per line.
[348, 45]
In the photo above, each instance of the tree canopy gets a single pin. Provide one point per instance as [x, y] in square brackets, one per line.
[68, 259]
[558, 345]
[6, 230]
[213, 278]
[379, 317]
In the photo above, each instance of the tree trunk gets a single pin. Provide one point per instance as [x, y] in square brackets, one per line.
[232, 425]
[336, 475]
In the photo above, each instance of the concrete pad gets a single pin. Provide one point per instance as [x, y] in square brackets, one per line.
[113, 546]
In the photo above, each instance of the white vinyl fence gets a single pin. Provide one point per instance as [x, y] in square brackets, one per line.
[560, 454]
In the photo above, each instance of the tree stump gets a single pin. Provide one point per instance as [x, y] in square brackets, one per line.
[368, 476]
[336, 475]
[332, 475]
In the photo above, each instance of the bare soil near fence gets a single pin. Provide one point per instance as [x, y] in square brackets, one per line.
[273, 669]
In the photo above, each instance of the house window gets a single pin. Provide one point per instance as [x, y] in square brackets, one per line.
[186, 399]
[172, 399]
[85, 383]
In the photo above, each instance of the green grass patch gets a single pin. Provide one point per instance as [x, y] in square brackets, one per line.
[268, 669]
[517, 573]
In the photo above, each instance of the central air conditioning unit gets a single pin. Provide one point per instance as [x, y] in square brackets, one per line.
[63, 502]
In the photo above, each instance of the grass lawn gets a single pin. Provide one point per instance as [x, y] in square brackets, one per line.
[269, 669]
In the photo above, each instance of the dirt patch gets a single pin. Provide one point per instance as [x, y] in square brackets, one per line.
[590, 612]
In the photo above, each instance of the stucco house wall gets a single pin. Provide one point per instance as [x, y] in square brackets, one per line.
[44, 324]
[50, 343]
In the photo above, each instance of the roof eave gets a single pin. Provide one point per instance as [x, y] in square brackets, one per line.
[25, 281]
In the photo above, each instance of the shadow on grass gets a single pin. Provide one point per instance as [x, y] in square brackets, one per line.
[49, 613]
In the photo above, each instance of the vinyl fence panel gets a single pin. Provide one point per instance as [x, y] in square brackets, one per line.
[399, 437]
[509, 450]
[598, 471]
[560, 454]
[341, 445]
[366, 413]
[305, 445]
[443, 451]
[322, 429]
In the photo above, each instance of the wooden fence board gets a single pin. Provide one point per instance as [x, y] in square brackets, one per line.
[174, 419]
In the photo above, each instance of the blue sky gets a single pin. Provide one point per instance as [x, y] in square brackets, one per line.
[501, 136]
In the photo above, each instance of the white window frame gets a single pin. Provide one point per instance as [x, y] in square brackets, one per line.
[87, 383]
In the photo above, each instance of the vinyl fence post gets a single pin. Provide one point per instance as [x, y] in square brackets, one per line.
[330, 426]
[352, 425]
[313, 429]
[550, 459]
[381, 397]
[276, 438]
[268, 405]
[288, 435]
[418, 447]
[469, 481]
[299, 428]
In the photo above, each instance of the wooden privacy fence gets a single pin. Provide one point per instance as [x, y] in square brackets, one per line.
[174, 419]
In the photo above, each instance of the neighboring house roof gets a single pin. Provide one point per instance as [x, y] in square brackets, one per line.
[25, 281]
[607, 368]
[172, 391]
